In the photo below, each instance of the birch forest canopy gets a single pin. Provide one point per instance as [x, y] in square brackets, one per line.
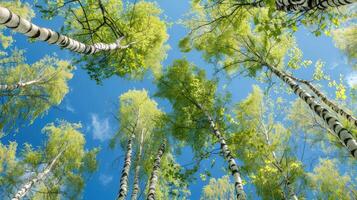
[175, 100]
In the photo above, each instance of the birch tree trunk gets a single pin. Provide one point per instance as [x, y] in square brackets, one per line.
[39, 178]
[343, 134]
[238, 185]
[15, 22]
[136, 187]
[305, 5]
[6, 87]
[123, 190]
[327, 101]
[154, 173]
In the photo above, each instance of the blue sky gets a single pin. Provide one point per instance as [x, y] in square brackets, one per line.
[94, 105]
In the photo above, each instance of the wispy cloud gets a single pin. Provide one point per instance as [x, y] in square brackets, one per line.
[105, 179]
[69, 107]
[100, 127]
[352, 79]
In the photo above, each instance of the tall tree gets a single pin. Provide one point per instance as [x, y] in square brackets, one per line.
[50, 170]
[138, 116]
[247, 49]
[28, 91]
[108, 20]
[194, 105]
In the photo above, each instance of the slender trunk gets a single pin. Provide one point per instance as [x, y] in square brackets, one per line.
[15, 86]
[233, 167]
[39, 178]
[343, 134]
[327, 101]
[136, 187]
[154, 174]
[123, 190]
[18, 24]
[304, 5]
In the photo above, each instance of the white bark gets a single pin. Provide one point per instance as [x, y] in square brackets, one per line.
[18, 24]
[233, 167]
[39, 178]
[305, 5]
[136, 187]
[154, 174]
[328, 102]
[334, 125]
[123, 190]
[19, 85]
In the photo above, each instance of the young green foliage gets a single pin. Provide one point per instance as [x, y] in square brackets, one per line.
[263, 146]
[100, 21]
[196, 111]
[29, 91]
[65, 149]
[186, 87]
[218, 189]
[345, 39]
[328, 183]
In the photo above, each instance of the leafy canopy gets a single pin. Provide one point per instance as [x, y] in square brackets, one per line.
[34, 100]
[106, 21]
[66, 179]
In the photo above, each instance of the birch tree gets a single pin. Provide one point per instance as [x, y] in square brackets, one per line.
[54, 171]
[139, 24]
[138, 116]
[13, 21]
[194, 108]
[240, 47]
[320, 17]
[28, 91]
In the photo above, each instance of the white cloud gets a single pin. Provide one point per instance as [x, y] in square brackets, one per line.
[69, 107]
[100, 128]
[105, 179]
[352, 79]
